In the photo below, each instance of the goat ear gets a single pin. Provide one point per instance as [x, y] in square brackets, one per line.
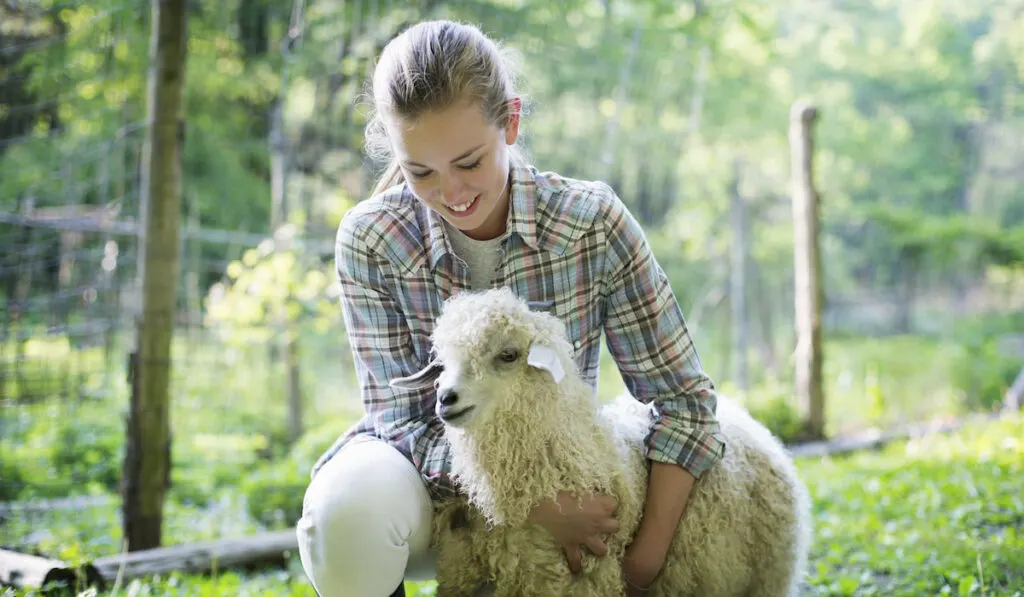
[422, 379]
[544, 357]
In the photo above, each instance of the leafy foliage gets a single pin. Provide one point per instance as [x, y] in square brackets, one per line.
[919, 158]
[277, 283]
[940, 515]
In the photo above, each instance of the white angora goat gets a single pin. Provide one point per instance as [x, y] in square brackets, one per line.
[524, 426]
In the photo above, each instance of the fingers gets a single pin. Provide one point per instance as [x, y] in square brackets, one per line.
[606, 503]
[597, 547]
[609, 525]
[575, 557]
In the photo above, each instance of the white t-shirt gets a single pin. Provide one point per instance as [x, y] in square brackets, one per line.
[481, 256]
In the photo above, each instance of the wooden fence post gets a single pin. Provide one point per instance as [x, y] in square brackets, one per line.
[807, 270]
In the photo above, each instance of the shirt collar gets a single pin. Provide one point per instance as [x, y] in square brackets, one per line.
[521, 217]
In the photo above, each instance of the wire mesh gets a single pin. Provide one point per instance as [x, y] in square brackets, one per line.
[262, 379]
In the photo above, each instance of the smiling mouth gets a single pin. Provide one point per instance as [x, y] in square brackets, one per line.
[451, 415]
[463, 209]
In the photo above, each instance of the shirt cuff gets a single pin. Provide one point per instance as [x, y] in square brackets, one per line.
[694, 449]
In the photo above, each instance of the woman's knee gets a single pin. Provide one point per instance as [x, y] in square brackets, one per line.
[361, 482]
[365, 515]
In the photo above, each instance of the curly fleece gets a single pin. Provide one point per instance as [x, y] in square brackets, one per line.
[746, 530]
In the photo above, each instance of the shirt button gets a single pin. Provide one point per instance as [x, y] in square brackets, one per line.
[578, 344]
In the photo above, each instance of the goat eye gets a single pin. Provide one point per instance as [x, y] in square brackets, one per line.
[509, 355]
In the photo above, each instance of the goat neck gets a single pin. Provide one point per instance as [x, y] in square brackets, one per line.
[545, 438]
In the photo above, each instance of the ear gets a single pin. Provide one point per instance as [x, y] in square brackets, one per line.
[544, 357]
[515, 107]
[422, 379]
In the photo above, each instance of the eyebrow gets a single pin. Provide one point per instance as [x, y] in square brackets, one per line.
[461, 157]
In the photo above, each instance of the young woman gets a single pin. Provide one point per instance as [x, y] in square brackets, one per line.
[460, 209]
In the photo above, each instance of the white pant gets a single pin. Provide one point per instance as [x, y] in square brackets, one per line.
[365, 524]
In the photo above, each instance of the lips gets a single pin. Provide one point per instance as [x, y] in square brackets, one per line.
[450, 414]
[462, 210]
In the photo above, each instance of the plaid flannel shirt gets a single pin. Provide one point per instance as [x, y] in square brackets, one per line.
[572, 244]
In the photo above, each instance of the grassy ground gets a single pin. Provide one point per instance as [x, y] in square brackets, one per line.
[938, 516]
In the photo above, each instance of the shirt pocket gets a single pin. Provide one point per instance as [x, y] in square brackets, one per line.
[583, 328]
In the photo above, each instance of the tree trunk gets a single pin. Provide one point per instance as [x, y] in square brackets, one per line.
[699, 87]
[193, 293]
[1014, 398]
[909, 260]
[147, 458]
[278, 167]
[738, 282]
[807, 271]
[766, 306]
[295, 418]
[29, 242]
[621, 95]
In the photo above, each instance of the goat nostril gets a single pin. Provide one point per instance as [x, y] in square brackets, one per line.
[448, 397]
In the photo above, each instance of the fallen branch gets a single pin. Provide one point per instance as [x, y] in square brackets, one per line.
[26, 571]
[268, 549]
[874, 439]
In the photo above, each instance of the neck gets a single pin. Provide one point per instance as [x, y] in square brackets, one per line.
[515, 462]
[496, 223]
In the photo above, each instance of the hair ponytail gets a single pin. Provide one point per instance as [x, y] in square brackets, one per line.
[391, 176]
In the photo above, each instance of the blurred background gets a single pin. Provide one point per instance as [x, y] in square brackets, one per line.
[683, 107]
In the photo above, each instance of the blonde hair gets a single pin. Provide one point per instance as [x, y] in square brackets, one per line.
[432, 66]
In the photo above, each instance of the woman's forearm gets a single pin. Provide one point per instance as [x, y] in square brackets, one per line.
[667, 495]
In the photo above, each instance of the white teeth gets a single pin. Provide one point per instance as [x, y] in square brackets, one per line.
[459, 208]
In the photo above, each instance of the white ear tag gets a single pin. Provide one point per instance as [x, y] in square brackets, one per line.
[544, 357]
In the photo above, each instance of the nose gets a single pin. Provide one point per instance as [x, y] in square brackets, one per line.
[452, 189]
[447, 397]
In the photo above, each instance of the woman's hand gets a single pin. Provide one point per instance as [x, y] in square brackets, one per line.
[577, 522]
[641, 566]
[667, 495]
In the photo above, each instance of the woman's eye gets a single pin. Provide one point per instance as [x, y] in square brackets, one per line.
[509, 355]
[420, 174]
[472, 166]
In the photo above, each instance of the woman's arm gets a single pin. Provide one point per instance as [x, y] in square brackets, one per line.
[382, 350]
[649, 340]
[668, 492]
[652, 347]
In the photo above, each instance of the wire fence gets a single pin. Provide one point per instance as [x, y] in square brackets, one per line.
[262, 379]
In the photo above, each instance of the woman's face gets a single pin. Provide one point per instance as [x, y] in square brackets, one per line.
[457, 162]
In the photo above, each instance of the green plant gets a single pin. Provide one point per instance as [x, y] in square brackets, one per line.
[89, 448]
[982, 375]
[778, 413]
[317, 440]
[274, 494]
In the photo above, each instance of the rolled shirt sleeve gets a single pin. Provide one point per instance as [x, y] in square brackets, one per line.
[651, 345]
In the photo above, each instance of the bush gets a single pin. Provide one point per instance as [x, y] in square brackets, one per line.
[12, 480]
[208, 462]
[89, 448]
[61, 448]
[315, 442]
[274, 494]
[780, 416]
[982, 375]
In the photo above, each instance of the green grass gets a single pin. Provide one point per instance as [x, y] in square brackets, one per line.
[936, 516]
[941, 515]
